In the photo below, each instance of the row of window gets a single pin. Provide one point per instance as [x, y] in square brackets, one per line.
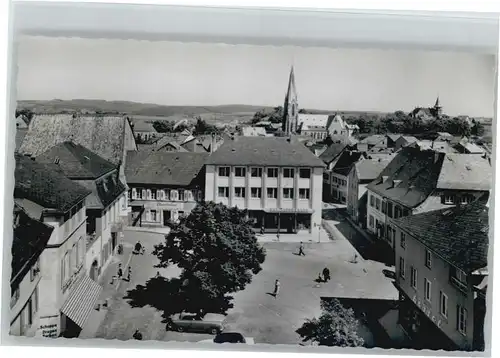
[455, 199]
[339, 181]
[166, 194]
[153, 215]
[271, 172]
[72, 261]
[443, 298]
[27, 315]
[392, 211]
[256, 193]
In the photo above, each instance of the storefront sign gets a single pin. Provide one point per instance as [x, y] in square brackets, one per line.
[49, 326]
[289, 211]
[168, 205]
[427, 311]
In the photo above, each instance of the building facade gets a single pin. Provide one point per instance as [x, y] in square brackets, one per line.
[442, 277]
[164, 186]
[66, 294]
[277, 181]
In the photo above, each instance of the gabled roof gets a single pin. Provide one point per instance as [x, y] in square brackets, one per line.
[163, 168]
[459, 234]
[370, 169]
[76, 161]
[466, 172]
[30, 237]
[345, 162]
[46, 185]
[264, 151]
[332, 152]
[309, 121]
[373, 139]
[418, 173]
[335, 118]
[253, 131]
[104, 135]
[104, 191]
[394, 137]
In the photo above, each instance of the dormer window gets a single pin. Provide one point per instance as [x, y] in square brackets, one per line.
[448, 199]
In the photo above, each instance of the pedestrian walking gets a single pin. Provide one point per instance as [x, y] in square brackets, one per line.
[301, 249]
[129, 273]
[276, 288]
[139, 249]
[278, 236]
[137, 335]
[119, 274]
[326, 274]
[262, 230]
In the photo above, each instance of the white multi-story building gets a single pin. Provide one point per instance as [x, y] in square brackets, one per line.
[164, 185]
[441, 274]
[277, 180]
[66, 294]
[418, 181]
[106, 206]
[30, 237]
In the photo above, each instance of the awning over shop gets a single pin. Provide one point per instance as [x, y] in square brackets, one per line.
[81, 301]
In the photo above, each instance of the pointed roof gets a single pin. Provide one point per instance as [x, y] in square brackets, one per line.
[436, 105]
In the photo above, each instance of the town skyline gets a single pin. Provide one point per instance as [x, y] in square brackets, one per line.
[317, 70]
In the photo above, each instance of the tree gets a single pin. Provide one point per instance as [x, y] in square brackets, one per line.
[477, 129]
[163, 126]
[26, 113]
[217, 251]
[336, 326]
[202, 127]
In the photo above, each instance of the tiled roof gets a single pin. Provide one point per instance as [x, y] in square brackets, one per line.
[332, 152]
[369, 169]
[409, 138]
[418, 172]
[30, 237]
[76, 161]
[394, 137]
[46, 185]
[373, 139]
[143, 126]
[346, 160]
[104, 191]
[309, 121]
[269, 151]
[466, 172]
[163, 168]
[459, 235]
[473, 148]
[253, 131]
[335, 118]
[102, 135]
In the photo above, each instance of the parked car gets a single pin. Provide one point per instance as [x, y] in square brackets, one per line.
[229, 337]
[210, 322]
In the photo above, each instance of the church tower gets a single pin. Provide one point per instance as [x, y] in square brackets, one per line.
[290, 108]
[437, 109]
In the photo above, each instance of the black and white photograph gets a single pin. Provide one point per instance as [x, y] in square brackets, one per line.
[251, 194]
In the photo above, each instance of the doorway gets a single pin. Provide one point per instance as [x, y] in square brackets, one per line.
[113, 241]
[94, 271]
[167, 216]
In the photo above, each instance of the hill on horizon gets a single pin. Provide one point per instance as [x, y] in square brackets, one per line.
[150, 109]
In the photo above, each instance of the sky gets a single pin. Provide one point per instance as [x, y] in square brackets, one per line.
[175, 73]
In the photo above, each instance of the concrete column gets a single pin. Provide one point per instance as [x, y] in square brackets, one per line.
[231, 185]
[247, 187]
[280, 187]
[264, 187]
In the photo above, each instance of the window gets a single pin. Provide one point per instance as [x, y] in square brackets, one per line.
[427, 289]
[288, 173]
[14, 298]
[74, 257]
[402, 267]
[199, 195]
[239, 192]
[182, 195]
[448, 199]
[443, 304]
[223, 171]
[167, 194]
[35, 300]
[287, 193]
[372, 223]
[391, 233]
[372, 201]
[223, 192]
[403, 240]
[153, 194]
[466, 199]
[256, 192]
[35, 269]
[406, 212]
[461, 319]
[428, 259]
[384, 207]
[413, 277]
[305, 173]
[304, 193]
[326, 176]
[377, 203]
[272, 172]
[240, 171]
[272, 193]
[256, 172]
[389, 209]
[153, 215]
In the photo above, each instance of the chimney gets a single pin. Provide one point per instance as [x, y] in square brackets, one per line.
[384, 178]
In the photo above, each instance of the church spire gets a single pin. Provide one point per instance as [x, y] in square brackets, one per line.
[290, 110]
[436, 105]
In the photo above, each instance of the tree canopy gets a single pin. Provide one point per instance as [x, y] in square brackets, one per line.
[164, 126]
[27, 113]
[202, 127]
[337, 326]
[217, 252]
[274, 116]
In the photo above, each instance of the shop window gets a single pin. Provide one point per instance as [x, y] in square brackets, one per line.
[153, 215]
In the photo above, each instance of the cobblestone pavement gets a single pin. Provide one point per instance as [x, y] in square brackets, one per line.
[256, 313]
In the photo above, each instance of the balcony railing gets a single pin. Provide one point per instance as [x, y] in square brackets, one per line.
[462, 286]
